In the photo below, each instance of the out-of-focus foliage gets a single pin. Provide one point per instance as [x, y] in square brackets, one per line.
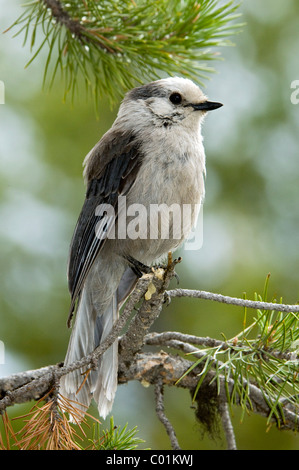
[251, 217]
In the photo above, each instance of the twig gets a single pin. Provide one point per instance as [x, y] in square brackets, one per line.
[162, 417]
[64, 18]
[146, 368]
[227, 426]
[39, 384]
[162, 338]
[150, 367]
[75, 27]
[137, 294]
[200, 294]
[184, 342]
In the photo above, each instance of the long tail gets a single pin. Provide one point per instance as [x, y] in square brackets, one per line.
[92, 325]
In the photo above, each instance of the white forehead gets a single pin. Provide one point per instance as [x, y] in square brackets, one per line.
[186, 87]
[165, 87]
[143, 104]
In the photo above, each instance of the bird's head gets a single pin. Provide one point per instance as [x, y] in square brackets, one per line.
[166, 102]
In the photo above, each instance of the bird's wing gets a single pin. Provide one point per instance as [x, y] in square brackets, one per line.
[112, 169]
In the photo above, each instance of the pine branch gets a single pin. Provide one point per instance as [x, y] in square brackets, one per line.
[118, 439]
[40, 381]
[197, 294]
[46, 427]
[115, 45]
[257, 369]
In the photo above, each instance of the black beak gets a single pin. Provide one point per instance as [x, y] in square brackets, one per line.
[206, 106]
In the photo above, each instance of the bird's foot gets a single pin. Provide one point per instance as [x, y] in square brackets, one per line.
[139, 268]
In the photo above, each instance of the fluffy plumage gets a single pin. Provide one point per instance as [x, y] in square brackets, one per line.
[153, 154]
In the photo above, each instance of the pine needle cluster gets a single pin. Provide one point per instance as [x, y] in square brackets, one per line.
[46, 427]
[114, 45]
[265, 355]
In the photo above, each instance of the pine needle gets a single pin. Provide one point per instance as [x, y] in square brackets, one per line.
[46, 427]
[113, 46]
[265, 353]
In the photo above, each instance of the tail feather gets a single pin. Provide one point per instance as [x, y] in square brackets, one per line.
[105, 384]
[104, 379]
[91, 327]
[81, 343]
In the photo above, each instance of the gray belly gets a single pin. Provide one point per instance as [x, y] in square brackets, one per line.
[160, 210]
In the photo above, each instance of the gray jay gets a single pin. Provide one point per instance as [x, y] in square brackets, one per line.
[153, 155]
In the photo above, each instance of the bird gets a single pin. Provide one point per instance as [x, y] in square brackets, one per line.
[152, 156]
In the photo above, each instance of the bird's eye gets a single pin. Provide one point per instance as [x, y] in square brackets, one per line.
[175, 98]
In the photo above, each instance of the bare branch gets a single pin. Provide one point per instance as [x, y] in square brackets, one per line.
[147, 368]
[163, 338]
[24, 387]
[185, 342]
[162, 417]
[227, 426]
[16, 381]
[159, 368]
[255, 304]
[63, 17]
[17, 391]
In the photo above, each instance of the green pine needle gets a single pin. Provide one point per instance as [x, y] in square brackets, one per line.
[266, 354]
[115, 45]
[116, 438]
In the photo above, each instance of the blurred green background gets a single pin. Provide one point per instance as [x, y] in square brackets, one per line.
[251, 217]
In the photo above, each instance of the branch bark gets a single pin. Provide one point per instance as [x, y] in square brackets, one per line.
[162, 417]
[255, 304]
[157, 368]
[227, 426]
[64, 18]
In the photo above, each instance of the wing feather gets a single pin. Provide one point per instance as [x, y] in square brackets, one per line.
[109, 175]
